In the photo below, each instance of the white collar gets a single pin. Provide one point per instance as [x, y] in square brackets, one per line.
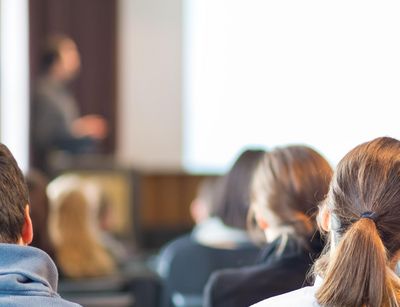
[318, 281]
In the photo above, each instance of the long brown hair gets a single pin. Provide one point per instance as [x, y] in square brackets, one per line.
[364, 203]
[287, 186]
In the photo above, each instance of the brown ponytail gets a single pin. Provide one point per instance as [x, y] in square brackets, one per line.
[364, 205]
[357, 273]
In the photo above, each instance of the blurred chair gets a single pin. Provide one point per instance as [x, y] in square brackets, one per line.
[185, 267]
[138, 288]
[98, 292]
[103, 300]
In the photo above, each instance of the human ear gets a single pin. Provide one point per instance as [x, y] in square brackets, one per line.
[324, 218]
[261, 222]
[27, 229]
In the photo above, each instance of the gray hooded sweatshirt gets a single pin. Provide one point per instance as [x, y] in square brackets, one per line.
[28, 277]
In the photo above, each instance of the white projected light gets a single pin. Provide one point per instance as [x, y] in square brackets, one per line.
[270, 73]
[14, 79]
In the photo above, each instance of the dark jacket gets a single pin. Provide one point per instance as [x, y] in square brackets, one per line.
[273, 275]
[54, 110]
[186, 265]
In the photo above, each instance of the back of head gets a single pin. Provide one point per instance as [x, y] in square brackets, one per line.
[364, 207]
[74, 230]
[203, 205]
[13, 197]
[234, 198]
[288, 185]
[74, 223]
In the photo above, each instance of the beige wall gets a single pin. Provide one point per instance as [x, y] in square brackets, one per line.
[150, 84]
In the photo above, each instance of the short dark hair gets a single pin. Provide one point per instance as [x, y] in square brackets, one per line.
[50, 52]
[13, 197]
[233, 203]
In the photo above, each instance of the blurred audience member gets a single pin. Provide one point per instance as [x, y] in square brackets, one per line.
[28, 275]
[226, 225]
[39, 208]
[219, 239]
[361, 216]
[106, 220]
[74, 228]
[56, 121]
[201, 207]
[287, 186]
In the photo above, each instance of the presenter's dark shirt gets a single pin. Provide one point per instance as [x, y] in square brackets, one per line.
[54, 109]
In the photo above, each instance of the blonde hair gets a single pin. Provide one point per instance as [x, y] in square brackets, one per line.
[79, 251]
[364, 204]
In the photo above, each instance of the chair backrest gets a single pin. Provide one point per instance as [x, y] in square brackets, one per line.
[113, 283]
[102, 299]
[98, 292]
[187, 265]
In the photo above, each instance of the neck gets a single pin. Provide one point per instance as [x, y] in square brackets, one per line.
[21, 242]
[272, 233]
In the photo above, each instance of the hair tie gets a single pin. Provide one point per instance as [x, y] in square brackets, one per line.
[369, 215]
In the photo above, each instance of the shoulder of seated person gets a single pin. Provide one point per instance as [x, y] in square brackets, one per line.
[304, 297]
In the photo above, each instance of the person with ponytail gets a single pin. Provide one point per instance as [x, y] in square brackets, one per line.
[361, 215]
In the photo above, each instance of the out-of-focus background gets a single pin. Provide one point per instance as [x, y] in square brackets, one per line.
[181, 87]
[185, 85]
